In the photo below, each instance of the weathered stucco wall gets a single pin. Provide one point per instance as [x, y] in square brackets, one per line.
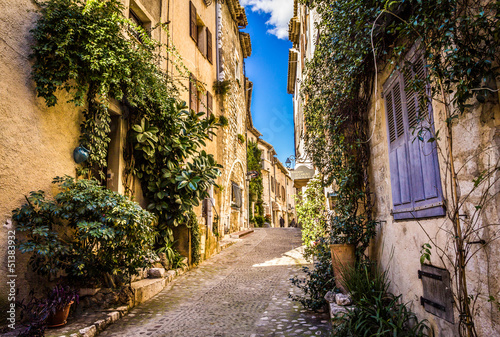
[398, 243]
[36, 142]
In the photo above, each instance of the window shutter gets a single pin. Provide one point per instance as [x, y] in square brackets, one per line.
[238, 196]
[210, 202]
[193, 94]
[210, 102]
[414, 169]
[193, 27]
[426, 183]
[210, 107]
[398, 157]
[209, 46]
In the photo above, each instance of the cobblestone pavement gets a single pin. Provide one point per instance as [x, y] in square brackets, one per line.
[243, 291]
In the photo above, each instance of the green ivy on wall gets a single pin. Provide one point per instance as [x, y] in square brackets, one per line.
[89, 49]
[256, 187]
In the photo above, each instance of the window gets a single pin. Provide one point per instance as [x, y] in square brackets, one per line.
[414, 170]
[200, 33]
[141, 20]
[283, 193]
[235, 195]
[272, 184]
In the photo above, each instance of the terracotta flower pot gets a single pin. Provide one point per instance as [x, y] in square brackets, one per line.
[59, 318]
[343, 256]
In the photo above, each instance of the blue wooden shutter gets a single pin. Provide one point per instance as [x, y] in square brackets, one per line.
[424, 167]
[398, 156]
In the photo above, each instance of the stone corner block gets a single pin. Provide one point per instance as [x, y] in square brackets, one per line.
[156, 272]
[101, 324]
[114, 316]
[336, 309]
[89, 331]
[342, 299]
[330, 296]
[170, 275]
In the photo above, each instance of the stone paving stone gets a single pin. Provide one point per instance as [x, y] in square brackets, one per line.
[243, 291]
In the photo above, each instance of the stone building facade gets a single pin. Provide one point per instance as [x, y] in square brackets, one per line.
[278, 188]
[302, 33]
[233, 47]
[399, 173]
[37, 142]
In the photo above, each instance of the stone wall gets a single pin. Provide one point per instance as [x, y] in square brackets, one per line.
[233, 107]
[398, 243]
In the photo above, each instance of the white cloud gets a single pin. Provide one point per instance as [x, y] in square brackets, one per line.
[281, 12]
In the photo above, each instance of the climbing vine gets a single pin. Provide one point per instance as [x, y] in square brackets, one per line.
[256, 186]
[459, 41]
[89, 49]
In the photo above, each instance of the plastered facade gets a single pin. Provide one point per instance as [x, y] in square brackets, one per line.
[476, 144]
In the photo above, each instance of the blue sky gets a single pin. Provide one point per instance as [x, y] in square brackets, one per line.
[267, 68]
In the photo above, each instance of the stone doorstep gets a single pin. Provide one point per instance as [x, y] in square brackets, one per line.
[239, 234]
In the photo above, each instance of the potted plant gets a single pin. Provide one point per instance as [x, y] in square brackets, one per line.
[349, 236]
[59, 302]
[50, 311]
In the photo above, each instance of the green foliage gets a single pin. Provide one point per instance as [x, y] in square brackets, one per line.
[91, 50]
[195, 237]
[258, 220]
[256, 187]
[86, 231]
[318, 281]
[425, 253]
[241, 138]
[175, 174]
[223, 121]
[312, 213]
[222, 87]
[95, 138]
[376, 312]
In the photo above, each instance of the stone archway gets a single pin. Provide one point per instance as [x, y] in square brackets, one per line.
[234, 212]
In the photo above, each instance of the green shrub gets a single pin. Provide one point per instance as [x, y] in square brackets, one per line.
[259, 220]
[87, 231]
[376, 312]
[318, 281]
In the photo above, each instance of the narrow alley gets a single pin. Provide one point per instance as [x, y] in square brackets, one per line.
[243, 291]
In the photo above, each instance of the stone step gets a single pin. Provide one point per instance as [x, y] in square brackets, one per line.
[147, 288]
[239, 234]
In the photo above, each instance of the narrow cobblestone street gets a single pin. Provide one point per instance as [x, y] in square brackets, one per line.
[243, 291]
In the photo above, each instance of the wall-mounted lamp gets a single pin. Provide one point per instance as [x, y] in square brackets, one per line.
[80, 154]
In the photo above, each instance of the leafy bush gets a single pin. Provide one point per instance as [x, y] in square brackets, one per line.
[376, 312]
[87, 231]
[311, 212]
[318, 281]
[259, 220]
